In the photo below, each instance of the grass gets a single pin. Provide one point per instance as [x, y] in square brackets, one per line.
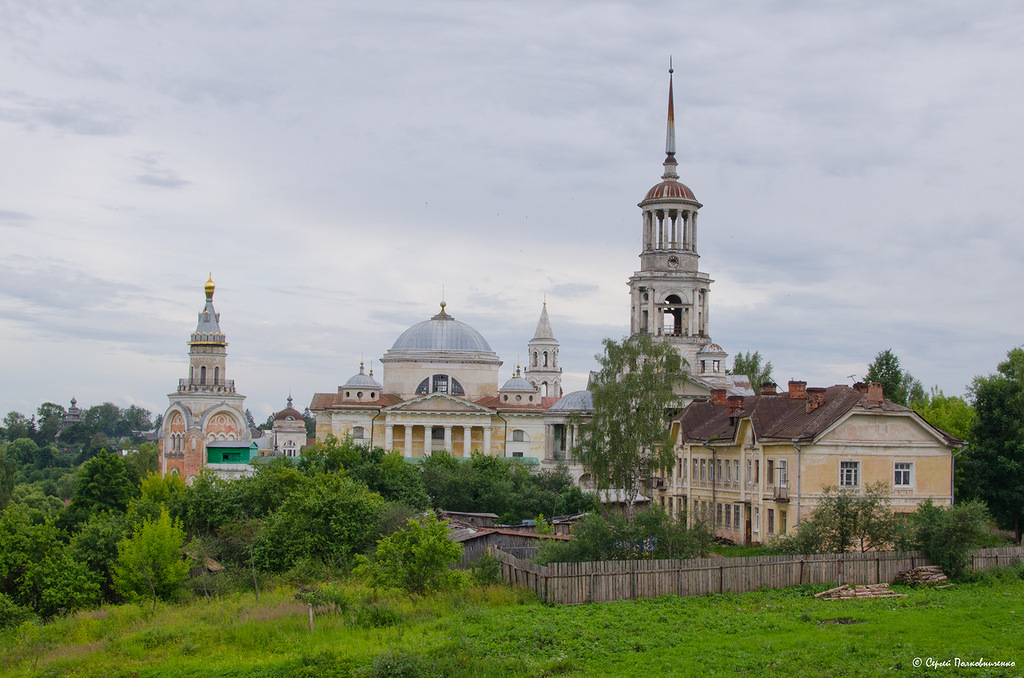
[497, 631]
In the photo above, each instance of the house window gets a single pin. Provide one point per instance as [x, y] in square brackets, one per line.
[718, 514]
[901, 474]
[749, 467]
[736, 517]
[695, 476]
[357, 432]
[703, 466]
[518, 436]
[719, 475]
[757, 470]
[728, 471]
[849, 474]
[757, 519]
[770, 472]
[782, 522]
[771, 521]
[783, 472]
[728, 515]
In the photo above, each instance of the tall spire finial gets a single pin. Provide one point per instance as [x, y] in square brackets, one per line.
[209, 287]
[670, 131]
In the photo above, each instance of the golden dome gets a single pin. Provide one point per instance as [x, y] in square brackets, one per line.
[209, 287]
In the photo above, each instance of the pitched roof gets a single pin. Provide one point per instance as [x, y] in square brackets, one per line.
[780, 417]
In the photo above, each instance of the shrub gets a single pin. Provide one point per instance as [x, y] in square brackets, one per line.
[416, 559]
[946, 535]
[486, 570]
[150, 561]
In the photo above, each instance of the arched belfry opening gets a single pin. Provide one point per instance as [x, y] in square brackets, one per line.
[672, 312]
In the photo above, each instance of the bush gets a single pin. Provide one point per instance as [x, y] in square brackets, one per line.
[150, 561]
[947, 535]
[486, 570]
[416, 559]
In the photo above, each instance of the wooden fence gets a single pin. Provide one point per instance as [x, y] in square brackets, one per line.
[597, 582]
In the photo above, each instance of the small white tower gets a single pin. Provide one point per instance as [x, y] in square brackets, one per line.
[542, 368]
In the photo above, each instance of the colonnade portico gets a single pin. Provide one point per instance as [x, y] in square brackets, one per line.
[458, 438]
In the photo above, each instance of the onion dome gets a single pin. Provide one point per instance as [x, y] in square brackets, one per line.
[442, 333]
[362, 380]
[208, 327]
[576, 401]
[289, 413]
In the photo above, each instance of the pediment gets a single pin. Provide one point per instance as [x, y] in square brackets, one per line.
[437, 402]
[870, 427]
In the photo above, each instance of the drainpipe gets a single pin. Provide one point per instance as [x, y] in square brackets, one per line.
[799, 468]
[952, 475]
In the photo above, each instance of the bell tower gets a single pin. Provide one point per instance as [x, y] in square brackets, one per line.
[669, 296]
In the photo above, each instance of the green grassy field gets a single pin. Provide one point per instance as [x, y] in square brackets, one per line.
[500, 632]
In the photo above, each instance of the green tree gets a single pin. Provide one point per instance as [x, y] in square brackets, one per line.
[952, 414]
[417, 559]
[103, 485]
[749, 364]
[947, 535]
[23, 451]
[50, 417]
[17, 425]
[628, 435]
[136, 419]
[898, 385]
[993, 466]
[95, 546]
[328, 519]
[845, 520]
[8, 467]
[104, 418]
[150, 561]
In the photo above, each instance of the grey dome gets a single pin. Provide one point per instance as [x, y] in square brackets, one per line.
[518, 383]
[441, 333]
[362, 381]
[575, 401]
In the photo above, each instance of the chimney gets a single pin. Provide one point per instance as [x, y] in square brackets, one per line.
[718, 396]
[860, 387]
[815, 398]
[797, 390]
[768, 388]
[875, 393]
[734, 403]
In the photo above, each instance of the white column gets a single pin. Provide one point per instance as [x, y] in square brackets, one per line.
[408, 440]
[448, 438]
[487, 439]
[467, 440]
[389, 436]
[693, 232]
[572, 441]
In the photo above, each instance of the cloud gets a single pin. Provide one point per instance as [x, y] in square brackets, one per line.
[155, 174]
[89, 117]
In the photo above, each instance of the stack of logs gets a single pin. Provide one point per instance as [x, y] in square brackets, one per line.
[845, 592]
[922, 576]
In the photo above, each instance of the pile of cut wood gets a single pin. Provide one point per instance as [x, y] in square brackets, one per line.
[922, 576]
[846, 592]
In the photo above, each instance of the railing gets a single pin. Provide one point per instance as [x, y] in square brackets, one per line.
[193, 386]
[781, 493]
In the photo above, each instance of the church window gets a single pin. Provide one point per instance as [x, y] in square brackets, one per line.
[518, 436]
[202, 375]
[440, 383]
[643, 321]
[506, 399]
[545, 358]
[544, 389]
[534, 358]
[457, 388]
[216, 375]
[518, 398]
[703, 365]
[372, 395]
[715, 364]
[359, 394]
[348, 394]
[531, 399]
[437, 433]
[424, 387]
[357, 432]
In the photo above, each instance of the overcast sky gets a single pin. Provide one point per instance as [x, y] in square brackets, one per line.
[336, 165]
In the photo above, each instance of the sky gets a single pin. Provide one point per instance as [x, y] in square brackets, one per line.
[341, 167]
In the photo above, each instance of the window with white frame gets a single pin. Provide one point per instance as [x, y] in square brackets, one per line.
[695, 476]
[703, 466]
[736, 517]
[749, 476]
[902, 471]
[728, 515]
[849, 474]
[771, 521]
[783, 472]
[757, 519]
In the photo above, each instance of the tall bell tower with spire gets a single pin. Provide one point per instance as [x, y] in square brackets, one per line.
[542, 369]
[669, 296]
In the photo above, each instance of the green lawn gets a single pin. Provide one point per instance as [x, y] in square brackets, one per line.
[500, 632]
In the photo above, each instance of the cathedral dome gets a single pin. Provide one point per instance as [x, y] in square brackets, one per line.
[442, 333]
[669, 190]
[362, 380]
[289, 413]
[574, 402]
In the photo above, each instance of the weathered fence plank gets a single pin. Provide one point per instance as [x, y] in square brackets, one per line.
[578, 583]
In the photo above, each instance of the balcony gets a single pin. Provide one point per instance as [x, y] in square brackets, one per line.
[781, 493]
[193, 386]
